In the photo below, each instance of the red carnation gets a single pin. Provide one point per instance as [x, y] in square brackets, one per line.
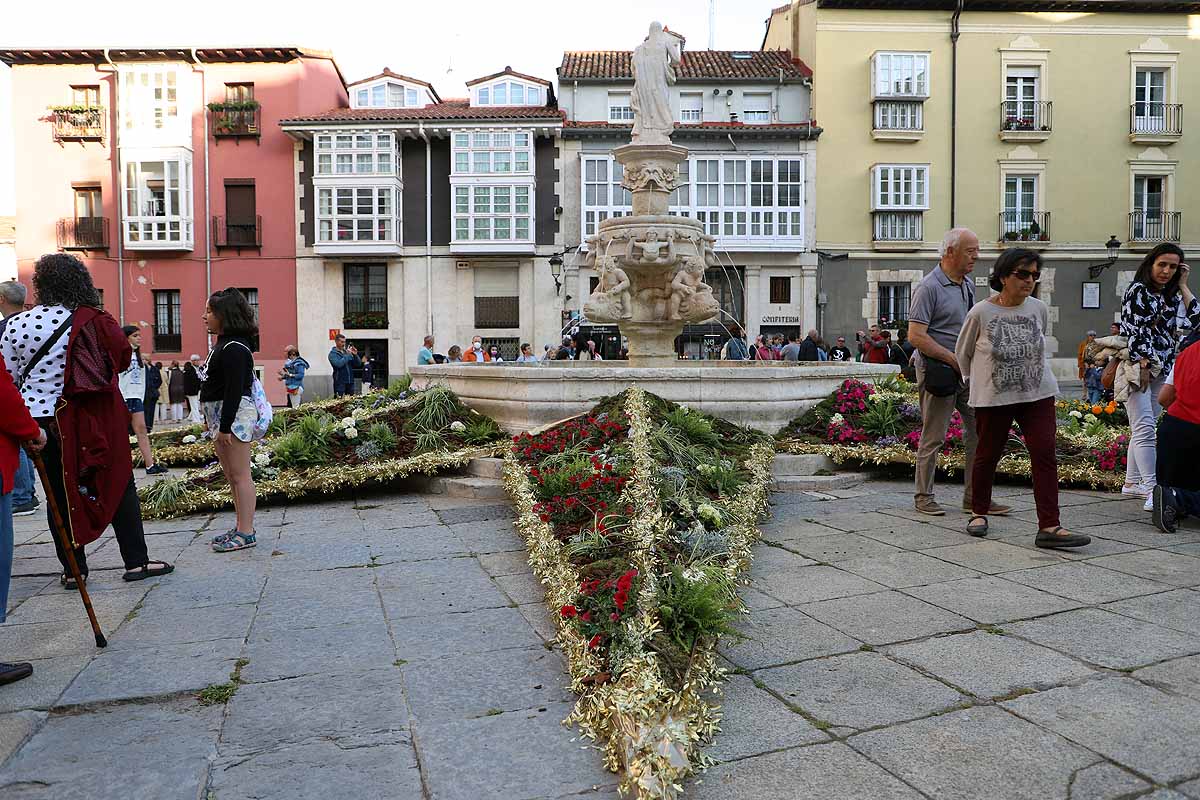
[595, 641]
[568, 611]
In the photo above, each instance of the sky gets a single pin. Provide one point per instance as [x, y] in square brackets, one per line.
[446, 43]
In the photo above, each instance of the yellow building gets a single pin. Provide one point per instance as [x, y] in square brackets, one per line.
[1054, 125]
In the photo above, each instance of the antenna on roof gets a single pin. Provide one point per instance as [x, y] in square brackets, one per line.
[712, 24]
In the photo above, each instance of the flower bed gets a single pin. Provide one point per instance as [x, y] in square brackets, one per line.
[639, 519]
[880, 425]
[310, 451]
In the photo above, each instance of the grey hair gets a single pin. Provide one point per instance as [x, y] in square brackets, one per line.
[14, 293]
[951, 239]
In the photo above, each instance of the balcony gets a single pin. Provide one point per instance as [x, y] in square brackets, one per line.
[1026, 120]
[1153, 227]
[78, 123]
[235, 120]
[83, 233]
[365, 313]
[1024, 228]
[898, 120]
[1155, 123]
[237, 232]
[168, 342]
[497, 312]
[898, 230]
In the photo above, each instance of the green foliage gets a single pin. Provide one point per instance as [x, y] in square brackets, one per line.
[695, 427]
[557, 482]
[295, 449]
[164, 494]
[398, 387]
[699, 605]
[435, 410]
[881, 419]
[429, 442]
[815, 418]
[280, 424]
[481, 430]
[672, 446]
[316, 428]
[723, 477]
[382, 436]
[894, 382]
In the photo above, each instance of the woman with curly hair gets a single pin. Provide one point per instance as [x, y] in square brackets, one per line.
[228, 407]
[65, 355]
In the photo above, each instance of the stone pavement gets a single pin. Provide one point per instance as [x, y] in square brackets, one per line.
[397, 647]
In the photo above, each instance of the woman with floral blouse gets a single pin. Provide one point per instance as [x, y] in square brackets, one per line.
[1148, 321]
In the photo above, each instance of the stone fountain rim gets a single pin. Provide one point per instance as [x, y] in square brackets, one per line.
[650, 219]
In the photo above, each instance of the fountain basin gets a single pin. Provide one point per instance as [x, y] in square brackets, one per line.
[766, 397]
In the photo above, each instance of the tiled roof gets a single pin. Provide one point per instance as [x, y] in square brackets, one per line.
[451, 109]
[809, 127]
[387, 73]
[695, 65]
[98, 55]
[509, 71]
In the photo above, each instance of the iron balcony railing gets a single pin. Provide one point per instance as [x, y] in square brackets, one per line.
[1024, 226]
[83, 233]
[368, 311]
[1026, 115]
[1155, 226]
[898, 226]
[899, 115]
[1165, 119]
[78, 123]
[237, 231]
[235, 120]
[168, 342]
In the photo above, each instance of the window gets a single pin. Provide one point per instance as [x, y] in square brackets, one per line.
[691, 107]
[358, 153]
[499, 213]
[241, 218]
[167, 327]
[386, 95]
[508, 93]
[898, 226]
[893, 303]
[158, 202]
[620, 108]
[901, 75]
[87, 203]
[100, 294]
[1150, 100]
[239, 92]
[756, 108]
[488, 152]
[150, 97]
[1020, 205]
[365, 297]
[87, 228]
[1151, 220]
[900, 187]
[781, 289]
[1021, 96]
[735, 198]
[251, 296]
[497, 298]
[87, 96]
[899, 115]
[358, 214]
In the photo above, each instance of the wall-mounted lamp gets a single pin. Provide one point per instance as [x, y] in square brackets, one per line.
[556, 265]
[1113, 247]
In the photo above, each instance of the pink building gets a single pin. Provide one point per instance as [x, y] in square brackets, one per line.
[167, 173]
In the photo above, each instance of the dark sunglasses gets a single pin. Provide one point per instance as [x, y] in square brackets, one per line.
[1024, 274]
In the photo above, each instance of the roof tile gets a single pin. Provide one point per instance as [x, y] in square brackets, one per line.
[451, 109]
[695, 65]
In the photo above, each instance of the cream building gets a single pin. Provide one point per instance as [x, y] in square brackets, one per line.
[1052, 125]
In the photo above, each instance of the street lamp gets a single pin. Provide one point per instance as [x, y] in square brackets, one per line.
[1113, 247]
[556, 265]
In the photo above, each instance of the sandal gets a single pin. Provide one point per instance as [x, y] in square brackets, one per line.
[68, 582]
[220, 537]
[976, 529]
[235, 541]
[148, 570]
[1050, 539]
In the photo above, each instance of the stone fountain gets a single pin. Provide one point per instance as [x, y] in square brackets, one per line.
[651, 283]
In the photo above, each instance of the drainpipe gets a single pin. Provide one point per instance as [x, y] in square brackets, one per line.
[732, 143]
[954, 32]
[428, 229]
[116, 171]
[574, 92]
[207, 210]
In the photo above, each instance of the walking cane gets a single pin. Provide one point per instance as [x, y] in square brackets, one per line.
[61, 532]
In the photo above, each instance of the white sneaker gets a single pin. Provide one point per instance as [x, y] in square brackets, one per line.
[1140, 490]
[1149, 504]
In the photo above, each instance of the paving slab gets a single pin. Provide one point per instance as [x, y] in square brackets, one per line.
[1085, 581]
[1178, 610]
[163, 750]
[72, 636]
[529, 753]
[499, 564]
[1135, 725]
[776, 563]
[1175, 569]
[814, 583]
[860, 690]
[1107, 639]
[456, 635]
[911, 535]
[15, 728]
[989, 665]
[1181, 676]
[415, 544]
[840, 547]
[275, 654]
[486, 683]
[187, 591]
[885, 617]
[827, 771]
[975, 753]
[358, 605]
[182, 626]
[754, 721]
[50, 678]
[902, 569]
[1191, 789]
[1105, 781]
[522, 589]
[153, 671]
[989, 599]
[783, 635]
[992, 557]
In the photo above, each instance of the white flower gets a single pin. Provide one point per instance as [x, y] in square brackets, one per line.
[1077, 414]
[457, 426]
[692, 575]
[1089, 418]
[351, 433]
[262, 458]
[359, 412]
[708, 511]
[189, 439]
[837, 419]
[347, 422]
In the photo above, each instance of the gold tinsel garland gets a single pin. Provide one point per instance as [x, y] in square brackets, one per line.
[1011, 465]
[649, 731]
[293, 483]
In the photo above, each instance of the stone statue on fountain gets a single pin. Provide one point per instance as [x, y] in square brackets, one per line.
[654, 62]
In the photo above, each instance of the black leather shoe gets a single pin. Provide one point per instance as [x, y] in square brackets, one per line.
[10, 673]
[1051, 539]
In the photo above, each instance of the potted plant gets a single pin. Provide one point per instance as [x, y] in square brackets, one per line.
[1011, 236]
[1034, 229]
[1045, 237]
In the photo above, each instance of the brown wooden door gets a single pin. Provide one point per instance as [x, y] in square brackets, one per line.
[241, 221]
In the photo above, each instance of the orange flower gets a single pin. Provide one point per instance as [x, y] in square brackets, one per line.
[1111, 408]
[1097, 410]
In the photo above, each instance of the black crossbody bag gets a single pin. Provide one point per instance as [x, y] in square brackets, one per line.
[43, 350]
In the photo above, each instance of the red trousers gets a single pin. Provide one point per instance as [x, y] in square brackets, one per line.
[1038, 425]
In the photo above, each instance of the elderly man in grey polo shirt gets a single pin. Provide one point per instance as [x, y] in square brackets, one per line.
[935, 317]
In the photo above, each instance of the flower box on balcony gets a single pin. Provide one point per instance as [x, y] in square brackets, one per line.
[235, 118]
[78, 122]
[370, 320]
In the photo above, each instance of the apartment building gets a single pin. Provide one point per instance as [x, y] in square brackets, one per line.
[1053, 125]
[159, 168]
[750, 178]
[418, 214]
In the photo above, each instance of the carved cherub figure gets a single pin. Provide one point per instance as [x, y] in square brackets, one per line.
[687, 282]
[615, 283]
[651, 251]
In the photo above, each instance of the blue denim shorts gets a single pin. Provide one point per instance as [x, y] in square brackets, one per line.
[135, 406]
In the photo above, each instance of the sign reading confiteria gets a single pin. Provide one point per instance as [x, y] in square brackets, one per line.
[780, 320]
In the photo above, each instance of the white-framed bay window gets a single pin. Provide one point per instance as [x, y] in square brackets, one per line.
[747, 201]
[491, 151]
[386, 94]
[358, 214]
[899, 200]
[156, 199]
[356, 153]
[492, 215]
[899, 75]
[155, 103]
